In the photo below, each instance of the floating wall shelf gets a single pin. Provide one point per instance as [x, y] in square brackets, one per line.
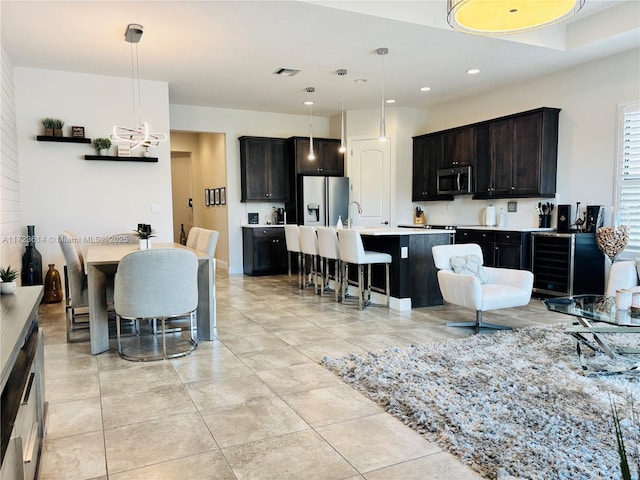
[46, 138]
[121, 159]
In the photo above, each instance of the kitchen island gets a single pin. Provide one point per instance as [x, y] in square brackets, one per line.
[413, 275]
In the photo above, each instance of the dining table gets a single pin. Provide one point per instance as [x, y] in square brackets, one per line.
[102, 262]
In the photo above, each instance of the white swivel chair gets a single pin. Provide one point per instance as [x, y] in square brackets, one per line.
[192, 238]
[352, 252]
[477, 287]
[329, 249]
[292, 239]
[309, 246]
[158, 284]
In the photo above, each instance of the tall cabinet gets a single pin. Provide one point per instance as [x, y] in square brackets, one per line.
[265, 168]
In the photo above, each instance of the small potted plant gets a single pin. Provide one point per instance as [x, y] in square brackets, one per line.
[57, 127]
[102, 145]
[8, 276]
[48, 123]
[144, 233]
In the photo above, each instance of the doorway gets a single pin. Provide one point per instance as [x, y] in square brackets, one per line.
[370, 174]
[182, 193]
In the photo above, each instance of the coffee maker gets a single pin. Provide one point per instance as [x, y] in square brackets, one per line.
[594, 218]
[279, 216]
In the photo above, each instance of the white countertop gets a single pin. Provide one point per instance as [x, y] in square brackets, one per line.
[262, 225]
[510, 228]
[381, 231]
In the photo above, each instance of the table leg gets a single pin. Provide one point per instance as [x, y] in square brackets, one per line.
[98, 321]
[206, 300]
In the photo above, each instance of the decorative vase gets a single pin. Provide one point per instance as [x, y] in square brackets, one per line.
[143, 244]
[31, 261]
[183, 235]
[8, 287]
[52, 286]
[613, 238]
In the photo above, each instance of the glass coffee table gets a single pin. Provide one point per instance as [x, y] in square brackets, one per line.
[597, 327]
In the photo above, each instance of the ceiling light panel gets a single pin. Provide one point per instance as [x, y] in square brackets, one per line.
[286, 72]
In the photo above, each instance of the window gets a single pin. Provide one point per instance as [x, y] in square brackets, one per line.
[627, 189]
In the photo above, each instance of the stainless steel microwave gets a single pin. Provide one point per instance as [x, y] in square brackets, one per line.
[454, 181]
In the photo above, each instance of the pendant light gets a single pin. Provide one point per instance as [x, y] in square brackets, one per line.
[310, 90]
[502, 17]
[342, 72]
[137, 136]
[383, 127]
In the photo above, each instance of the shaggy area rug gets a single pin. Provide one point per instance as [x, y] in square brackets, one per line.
[512, 404]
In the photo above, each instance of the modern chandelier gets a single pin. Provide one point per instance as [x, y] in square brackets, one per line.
[503, 17]
[139, 136]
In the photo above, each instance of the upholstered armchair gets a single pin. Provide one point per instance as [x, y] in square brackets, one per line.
[623, 275]
[465, 282]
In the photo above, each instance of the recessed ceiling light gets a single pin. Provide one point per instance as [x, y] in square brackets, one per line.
[360, 80]
[389, 100]
[286, 72]
[473, 71]
[425, 89]
[308, 102]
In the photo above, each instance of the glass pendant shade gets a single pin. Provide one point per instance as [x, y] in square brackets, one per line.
[312, 155]
[502, 17]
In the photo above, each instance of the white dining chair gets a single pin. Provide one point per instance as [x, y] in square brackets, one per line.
[329, 249]
[159, 285]
[352, 252]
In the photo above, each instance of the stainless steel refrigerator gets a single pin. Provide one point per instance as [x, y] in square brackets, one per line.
[322, 200]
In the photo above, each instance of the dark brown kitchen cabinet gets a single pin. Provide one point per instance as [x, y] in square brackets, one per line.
[502, 249]
[521, 158]
[428, 152]
[459, 147]
[329, 161]
[265, 169]
[264, 250]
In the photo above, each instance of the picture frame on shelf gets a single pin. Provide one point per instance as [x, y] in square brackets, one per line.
[223, 195]
[206, 197]
[77, 132]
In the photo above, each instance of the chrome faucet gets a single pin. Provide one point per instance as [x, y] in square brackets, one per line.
[349, 212]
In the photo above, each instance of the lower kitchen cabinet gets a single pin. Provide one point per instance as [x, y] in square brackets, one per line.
[264, 250]
[501, 249]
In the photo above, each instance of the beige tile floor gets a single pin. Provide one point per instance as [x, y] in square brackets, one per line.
[254, 403]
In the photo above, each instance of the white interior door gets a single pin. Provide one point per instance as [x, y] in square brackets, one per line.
[370, 177]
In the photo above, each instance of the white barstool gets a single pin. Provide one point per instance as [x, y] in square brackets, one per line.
[292, 239]
[329, 249]
[352, 251]
[309, 246]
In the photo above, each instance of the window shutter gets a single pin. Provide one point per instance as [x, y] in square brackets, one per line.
[628, 181]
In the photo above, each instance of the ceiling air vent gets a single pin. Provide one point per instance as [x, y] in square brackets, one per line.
[286, 72]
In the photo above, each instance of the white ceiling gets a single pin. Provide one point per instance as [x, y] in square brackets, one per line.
[224, 53]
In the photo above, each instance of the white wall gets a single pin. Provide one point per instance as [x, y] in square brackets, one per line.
[59, 189]
[234, 124]
[10, 228]
[588, 95]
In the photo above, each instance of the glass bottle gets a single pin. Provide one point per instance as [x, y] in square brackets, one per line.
[31, 261]
[52, 286]
[183, 236]
[339, 224]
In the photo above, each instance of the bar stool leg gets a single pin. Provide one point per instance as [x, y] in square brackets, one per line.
[337, 276]
[360, 286]
[388, 292]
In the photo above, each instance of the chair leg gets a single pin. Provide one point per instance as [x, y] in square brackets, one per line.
[300, 270]
[118, 334]
[478, 324]
[289, 265]
[345, 275]
[388, 288]
[338, 277]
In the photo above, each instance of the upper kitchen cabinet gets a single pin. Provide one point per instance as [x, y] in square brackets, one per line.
[517, 155]
[428, 153]
[265, 169]
[459, 147]
[329, 161]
